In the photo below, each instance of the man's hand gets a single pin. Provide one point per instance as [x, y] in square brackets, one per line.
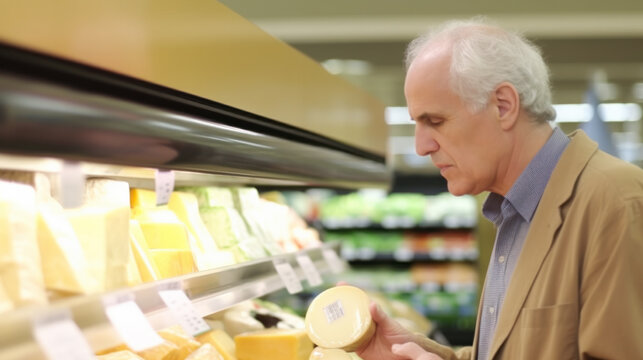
[388, 333]
[413, 351]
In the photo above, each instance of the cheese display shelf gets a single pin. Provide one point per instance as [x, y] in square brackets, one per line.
[209, 292]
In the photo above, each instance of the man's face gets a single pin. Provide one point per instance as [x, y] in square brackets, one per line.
[465, 146]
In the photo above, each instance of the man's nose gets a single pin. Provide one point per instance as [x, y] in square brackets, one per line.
[425, 143]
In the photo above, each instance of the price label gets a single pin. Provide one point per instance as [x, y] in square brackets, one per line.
[288, 276]
[60, 338]
[182, 309]
[130, 323]
[335, 263]
[163, 185]
[72, 185]
[312, 275]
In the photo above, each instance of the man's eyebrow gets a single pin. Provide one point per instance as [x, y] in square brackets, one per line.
[425, 116]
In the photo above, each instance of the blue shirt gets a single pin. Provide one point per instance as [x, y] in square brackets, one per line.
[512, 215]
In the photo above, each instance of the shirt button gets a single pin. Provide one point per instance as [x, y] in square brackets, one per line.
[492, 310]
[501, 259]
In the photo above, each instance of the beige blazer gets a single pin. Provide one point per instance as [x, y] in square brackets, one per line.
[577, 291]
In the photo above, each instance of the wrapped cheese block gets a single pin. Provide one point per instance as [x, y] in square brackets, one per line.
[339, 317]
[273, 344]
[20, 265]
[103, 232]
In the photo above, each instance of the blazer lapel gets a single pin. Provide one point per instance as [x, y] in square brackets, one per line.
[546, 222]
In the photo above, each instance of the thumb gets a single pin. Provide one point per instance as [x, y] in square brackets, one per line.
[411, 350]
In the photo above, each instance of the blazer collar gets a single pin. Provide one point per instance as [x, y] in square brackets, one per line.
[541, 232]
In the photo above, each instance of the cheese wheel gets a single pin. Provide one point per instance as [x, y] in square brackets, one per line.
[320, 353]
[340, 318]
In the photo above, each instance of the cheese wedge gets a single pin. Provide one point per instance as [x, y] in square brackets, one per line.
[161, 228]
[210, 196]
[187, 344]
[205, 352]
[273, 344]
[165, 351]
[64, 266]
[141, 198]
[119, 355]
[173, 262]
[221, 341]
[20, 266]
[339, 317]
[146, 267]
[106, 192]
[104, 236]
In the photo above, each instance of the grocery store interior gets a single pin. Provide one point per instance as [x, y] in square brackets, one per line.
[178, 177]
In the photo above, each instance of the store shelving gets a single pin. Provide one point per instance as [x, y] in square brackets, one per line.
[209, 292]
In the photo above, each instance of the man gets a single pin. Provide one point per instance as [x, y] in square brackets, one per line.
[564, 280]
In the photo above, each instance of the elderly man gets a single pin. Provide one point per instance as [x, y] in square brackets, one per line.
[564, 280]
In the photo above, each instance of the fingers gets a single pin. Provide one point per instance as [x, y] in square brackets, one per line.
[377, 313]
[413, 351]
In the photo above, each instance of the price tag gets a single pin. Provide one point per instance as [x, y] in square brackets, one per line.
[312, 275]
[72, 185]
[60, 338]
[163, 185]
[182, 309]
[130, 323]
[335, 263]
[288, 276]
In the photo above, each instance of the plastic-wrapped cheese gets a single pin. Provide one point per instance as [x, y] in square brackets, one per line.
[146, 267]
[20, 267]
[340, 318]
[320, 353]
[273, 344]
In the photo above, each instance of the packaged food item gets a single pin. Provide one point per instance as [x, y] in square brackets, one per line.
[273, 344]
[320, 353]
[340, 318]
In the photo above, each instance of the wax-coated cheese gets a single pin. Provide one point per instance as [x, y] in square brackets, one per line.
[103, 232]
[320, 353]
[221, 341]
[64, 265]
[339, 317]
[20, 266]
[273, 344]
[146, 267]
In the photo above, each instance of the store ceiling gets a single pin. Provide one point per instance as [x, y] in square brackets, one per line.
[581, 40]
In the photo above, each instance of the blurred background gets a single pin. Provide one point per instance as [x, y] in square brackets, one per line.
[583, 42]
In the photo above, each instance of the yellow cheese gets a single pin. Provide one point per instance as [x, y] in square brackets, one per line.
[339, 317]
[119, 355]
[161, 228]
[20, 266]
[133, 275]
[221, 341]
[104, 236]
[165, 351]
[146, 267]
[173, 262]
[329, 354]
[205, 352]
[64, 265]
[180, 338]
[273, 344]
[141, 198]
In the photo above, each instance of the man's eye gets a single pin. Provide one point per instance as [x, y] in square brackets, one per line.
[435, 121]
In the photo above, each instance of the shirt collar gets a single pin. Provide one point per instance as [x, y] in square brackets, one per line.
[526, 192]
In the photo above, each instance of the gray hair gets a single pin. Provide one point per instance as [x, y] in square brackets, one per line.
[483, 56]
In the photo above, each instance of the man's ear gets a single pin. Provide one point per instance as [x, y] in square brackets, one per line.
[507, 101]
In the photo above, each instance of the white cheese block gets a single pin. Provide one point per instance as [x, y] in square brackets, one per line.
[106, 192]
[20, 269]
[339, 318]
[104, 236]
[320, 353]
